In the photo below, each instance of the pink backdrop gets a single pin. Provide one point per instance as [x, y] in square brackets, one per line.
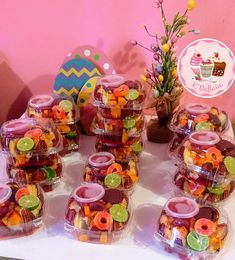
[36, 35]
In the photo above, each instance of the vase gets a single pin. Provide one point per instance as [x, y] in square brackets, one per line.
[157, 128]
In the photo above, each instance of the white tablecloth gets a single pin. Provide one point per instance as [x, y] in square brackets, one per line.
[152, 191]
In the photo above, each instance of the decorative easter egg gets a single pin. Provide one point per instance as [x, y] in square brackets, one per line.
[72, 75]
[85, 93]
[95, 56]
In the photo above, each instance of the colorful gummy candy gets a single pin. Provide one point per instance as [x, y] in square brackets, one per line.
[97, 215]
[21, 209]
[201, 188]
[114, 92]
[64, 113]
[122, 175]
[122, 149]
[199, 117]
[191, 229]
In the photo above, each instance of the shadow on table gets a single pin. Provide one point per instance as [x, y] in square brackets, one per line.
[55, 214]
[145, 221]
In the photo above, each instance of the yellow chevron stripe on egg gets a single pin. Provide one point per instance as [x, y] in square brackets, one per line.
[79, 73]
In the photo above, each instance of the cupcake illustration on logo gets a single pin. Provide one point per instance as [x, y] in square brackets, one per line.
[206, 68]
[195, 65]
[219, 65]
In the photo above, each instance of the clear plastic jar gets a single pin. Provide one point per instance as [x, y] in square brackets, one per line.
[121, 149]
[203, 189]
[130, 126]
[21, 209]
[209, 154]
[114, 91]
[27, 139]
[96, 215]
[191, 229]
[45, 171]
[199, 117]
[61, 109]
[103, 169]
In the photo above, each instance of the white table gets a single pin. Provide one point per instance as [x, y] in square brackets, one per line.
[153, 189]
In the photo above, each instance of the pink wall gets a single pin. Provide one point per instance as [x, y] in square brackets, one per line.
[36, 35]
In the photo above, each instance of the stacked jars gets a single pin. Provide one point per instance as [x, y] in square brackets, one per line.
[65, 114]
[207, 168]
[31, 147]
[119, 121]
[196, 117]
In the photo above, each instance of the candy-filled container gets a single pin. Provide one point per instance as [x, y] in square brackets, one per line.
[191, 229]
[45, 171]
[27, 139]
[209, 155]
[122, 149]
[130, 126]
[21, 209]
[70, 137]
[199, 117]
[103, 169]
[114, 91]
[118, 113]
[61, 109]
[97, 215]
[202, 189]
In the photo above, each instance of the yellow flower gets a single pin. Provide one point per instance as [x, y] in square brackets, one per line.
[165, 47]
[190, 5]
[174, 73]
[142, 76]
[160, 78]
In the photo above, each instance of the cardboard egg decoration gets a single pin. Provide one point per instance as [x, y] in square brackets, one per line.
[72, 75]
[86, 91]
[95, 56]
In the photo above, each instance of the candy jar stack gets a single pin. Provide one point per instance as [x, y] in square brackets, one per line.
[22, 208]
[119, 121]
[65, 114]
[103, 169]
[31, 148]
[206, 167]
[98, 215]
[196, 117]
[192, 230]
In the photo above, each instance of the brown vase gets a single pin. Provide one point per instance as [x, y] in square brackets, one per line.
[157, 129]
[158, 133]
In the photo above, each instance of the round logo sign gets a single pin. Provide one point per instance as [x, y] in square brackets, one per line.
[206, 68]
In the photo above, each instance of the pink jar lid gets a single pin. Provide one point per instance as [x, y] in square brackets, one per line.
[182, 207]
[39, 101]
[89, 192]
[204, 138]
[111, 80]
[197, 108]
[101, 159]
[17, 126]
[5, 193]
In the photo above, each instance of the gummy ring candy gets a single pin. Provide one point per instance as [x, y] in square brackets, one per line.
[58, 112]
[103, 220]
[114, 168]
[33, 133]
[201, 118]
[121, 91]
[205, 227]
[21, 192]
[214, 155]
